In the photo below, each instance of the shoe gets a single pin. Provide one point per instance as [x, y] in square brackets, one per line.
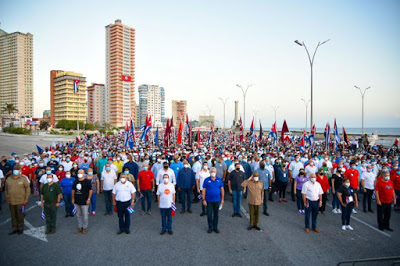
[389, 229]
[182, 212]
[47, 232]
[209, 231]
[279, 200]
[93, 213]
[303, 211]
[78, 231]
[266, 213]
[170, 232]
[250, 227]
[365, 211]
[148, 212]
[127, 232]
[67, 215]
[233, 215]
[293, 200]
[371, 211]
[142, 213]
[299, 211]
[84, 231]
[334, 211]
[120, 232]
[20, 232]
[354, 211]
[381, 228]
[106, 214]
[13, 232]
[323, 213]
[339, 211]
[71, 215]
[239, 215]
[202, 214]
[349, 227]
[316, 230]
[257, 228]
[189, 211]
[162, 232]
[217, 231]
[271, 200]
[343, 227]
[52, 231]
[284, 200]
[307, 230]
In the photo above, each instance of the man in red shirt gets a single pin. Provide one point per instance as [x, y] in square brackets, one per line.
[353, 176]
[145, 183]
[395, 178]
[323, 180]
[384, 197]
[26, 170]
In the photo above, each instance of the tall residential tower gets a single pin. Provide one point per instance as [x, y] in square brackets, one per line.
[152, 102]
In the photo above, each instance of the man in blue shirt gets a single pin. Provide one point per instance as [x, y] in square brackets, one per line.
[132, 166]
[213, 197]
[266, 178]
[185, 182]
[101, 162]
[176, 165]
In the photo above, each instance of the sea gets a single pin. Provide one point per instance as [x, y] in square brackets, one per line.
[383, 131]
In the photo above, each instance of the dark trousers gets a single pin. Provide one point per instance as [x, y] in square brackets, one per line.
[300, 202]
[146, 197]
[50, 211]
[265, 206]
[273, 189]
[346, 213]
[367, 196]
[68, 203]
[383, 214]
[203, 208]
[254, 211]
[324, 197]
[108, 200]
[124, 216]
[292, 190]
[282, 189]
[397, 206]
[312, 211]
[186, 197]
[166, 219]
[17, 218]
[212, 215]
[196, 195]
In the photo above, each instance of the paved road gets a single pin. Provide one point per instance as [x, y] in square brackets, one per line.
[281, 242]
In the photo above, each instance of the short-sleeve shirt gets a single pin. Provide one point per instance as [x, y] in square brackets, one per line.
[385, 190]
[346, 193]
[213, 189]
[50, 192]
[166, 191]
[81, 189]
[145, 178]
[236, 178]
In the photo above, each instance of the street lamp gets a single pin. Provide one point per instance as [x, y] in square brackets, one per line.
[306, 103]
[362, 112]
[224, 103]
[244, 101]
[275, 109]
[311, 65]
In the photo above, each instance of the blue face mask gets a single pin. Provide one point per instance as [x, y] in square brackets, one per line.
[126, 172]
[398, 172]
[68, 160]
[16, 172]
[108, 168]
[145, 168]
[48, 172]
[90, 173]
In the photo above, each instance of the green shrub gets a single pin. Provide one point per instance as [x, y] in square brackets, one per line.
[17, 130]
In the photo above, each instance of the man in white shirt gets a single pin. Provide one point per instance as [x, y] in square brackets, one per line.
[163, 171]
[312, 197]
[67, 164]
[232, 166]
[311, 168]
[43, 178]
[327, 161]
[123, 195]
[200, 177]
[294, 169]
[108, 179]
[166, 196]
[368, 185]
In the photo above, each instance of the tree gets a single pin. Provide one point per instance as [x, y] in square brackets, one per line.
[44, 125]
[10, 109]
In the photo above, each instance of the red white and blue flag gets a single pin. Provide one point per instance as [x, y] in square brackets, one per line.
[76, 85]
[126, 135]
[327, 134]
[130, 209]
[146, 129]
[252, 137]
[187, 125]
[273, 133]
[311, 138]
[173, 209]
[131, 136]
[241, 129]
[302, 144]
[336, 133]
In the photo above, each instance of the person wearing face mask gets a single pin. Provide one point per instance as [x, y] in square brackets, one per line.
[53, 164]
[185, 183]
[100, 164]
[200, 177]
[312, 198]
[336, 183]
[146, 184]
[108, 179]
[235, 180]
[395, 178]
[94, 181]
[266, 178]
[348, 200]
[17, 192]
[119, 164]
[132, 166]
[323, 180]
[294, 169]
[166, 196]
[310, 168]
[81, 195]
[213, 199]
[60, 173]
[74, 169]
[50, 201]
[43, 178]
[385, 196]
[168, 171]
[255, 198]
[367, 185]
[298, 184]
[282, 176]
[66, 187]
[123, 195]
[129, 176]
[67, 164]
[354, 176]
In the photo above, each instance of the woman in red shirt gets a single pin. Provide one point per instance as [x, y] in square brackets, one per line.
[323, 180]
[385, 195]
[60, 173]
[395, 178]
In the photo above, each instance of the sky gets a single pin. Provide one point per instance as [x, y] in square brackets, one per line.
[199, 50]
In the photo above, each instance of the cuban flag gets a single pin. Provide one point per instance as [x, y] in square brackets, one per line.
[131, 136]
[210, 134]
[156, 138]
[76, 85]
[252, 137]
[273, 133]
[311, 138]
[336, 133]
[126, 135]
[187, 125]
[173, 209]
[130, 209]
[42, 215]
[302, 144]
[74, 210]
[146, 128]
[327, 134]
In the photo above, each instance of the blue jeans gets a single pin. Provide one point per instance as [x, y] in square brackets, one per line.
[313, 211]
[186, 193]
[93, 203]
[346, 213]
[146, 196]
[237, 199]
[335, 201]
[166, 215]
[124, 217]
[108, 201]
[299, 200]
[68, 203]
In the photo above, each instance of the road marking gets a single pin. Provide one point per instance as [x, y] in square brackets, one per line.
[245, 212]
[36, 232]
[367, 224]
[9, 219]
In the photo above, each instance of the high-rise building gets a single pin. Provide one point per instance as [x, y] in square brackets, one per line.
[236, 118]
[65, 102]
[96, 102]
[120, 73]
[179, 111]
[16, 72]
[152, 102]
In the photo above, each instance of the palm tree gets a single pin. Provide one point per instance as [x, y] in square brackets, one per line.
[10, 109]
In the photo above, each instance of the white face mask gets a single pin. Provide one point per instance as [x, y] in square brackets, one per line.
[166, 180]
[213, 174]
[205, 167]
[49, 180]
[256, 179]
[122, 179]
[80, 175]
[347, 184]
[60, 169]
[186, 166]
[386, 178]
[68, 176]
[312, 179]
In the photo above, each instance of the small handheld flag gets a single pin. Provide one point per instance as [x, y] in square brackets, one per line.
[130, 209]
[62, 203]
[173, 209]
[199, 196]
[42, 215]
[23, 211]
[141, 196]
[74, 210]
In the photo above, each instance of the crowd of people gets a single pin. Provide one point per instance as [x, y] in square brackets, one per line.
[73, 174]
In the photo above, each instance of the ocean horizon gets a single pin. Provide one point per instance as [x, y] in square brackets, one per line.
[389, 131]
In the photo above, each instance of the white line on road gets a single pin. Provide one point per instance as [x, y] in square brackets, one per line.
[245, 212]
[9, 219]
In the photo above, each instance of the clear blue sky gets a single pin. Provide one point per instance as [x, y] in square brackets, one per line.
[199, 50]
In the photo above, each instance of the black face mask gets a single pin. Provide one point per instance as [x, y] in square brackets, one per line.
[166, 167]
[238, 169]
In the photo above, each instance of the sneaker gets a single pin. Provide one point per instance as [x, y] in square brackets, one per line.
[300, 212]
[93, 213]
[349, 227]
[170, 232]
[209, 231]
[148, 212]
[339, 211]
[344, 227]
[307, 230]
[162, 232]
[202, 214]
[334, 211]
[303, 211]
[354, 211]
[78, 231]
[84, 231]
[142, 212]
[257, 228]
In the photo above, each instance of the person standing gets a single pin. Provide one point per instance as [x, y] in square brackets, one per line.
[200, 177]
[336, 183]
[353, 175]
[213, 199]
[108, 179]
[166, 196]
[298, 184]
[266, 178]
[123, 195]
[94, 181]
[146, 187]
[348, 199]
[17, 192]
[236, 178]
[185, 182]
[395, 177]
[367, 184]
[323, 180]
[132, 166]
[312, 198]
[385, 196]
[66, 186]
[50, 201]
[294, 169]
[255, 197]
[282, 176]
[81, 194]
